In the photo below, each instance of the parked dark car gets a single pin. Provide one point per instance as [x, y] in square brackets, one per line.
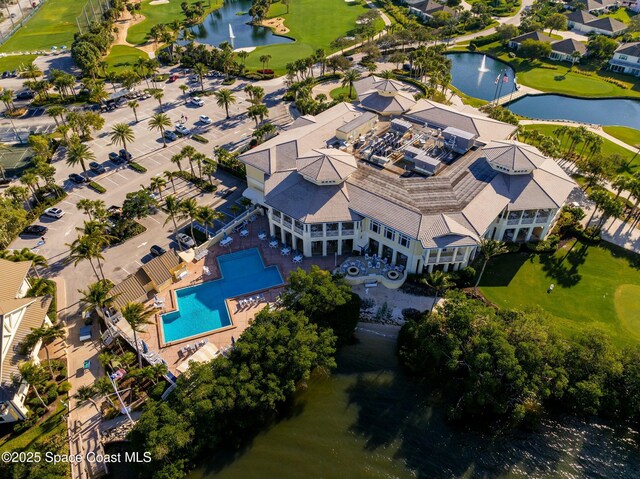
[170, 136]
[157, 250]
[25, 95]
[117, 159]
[125, 154]
[76, 178]
[34, 230]
[96, 167]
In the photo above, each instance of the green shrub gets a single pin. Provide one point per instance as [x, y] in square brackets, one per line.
[229, 81]
[97, 187]
[137, 167]
[204, 185]
[64, 387]
[200, 139]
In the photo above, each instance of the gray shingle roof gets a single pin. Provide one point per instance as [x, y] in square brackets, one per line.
[608, 24]
[580, 16]
[568, 46]
[327, 164]
[513, 155]
[385, 104]
[541, 37]
[631, 49]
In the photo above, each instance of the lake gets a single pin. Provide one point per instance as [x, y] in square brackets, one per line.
[368, 420]
[215, 28]
[467, 78]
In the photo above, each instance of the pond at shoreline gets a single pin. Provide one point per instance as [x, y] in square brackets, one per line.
[369, 420]
[215, 28]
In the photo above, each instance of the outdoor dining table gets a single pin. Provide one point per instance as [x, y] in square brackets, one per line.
[285, 251]
[244, 233]
[262, 236]
[273, 244]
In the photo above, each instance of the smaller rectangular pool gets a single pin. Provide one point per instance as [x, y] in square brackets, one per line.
[202, 308]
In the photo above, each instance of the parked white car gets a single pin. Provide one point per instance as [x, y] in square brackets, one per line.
[183, 130]
[205, 119]
[197, 101]
[185, 240]
[54, 212]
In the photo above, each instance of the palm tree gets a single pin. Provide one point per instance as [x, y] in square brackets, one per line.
[56, 111]
[86, 248]
[79, 153]
[200, 70]
[158, 95]
[137, 316]
[621, 182]
[157, 183]
[46, 334]
[97, 297]
[19, 195]
[176, 160]
[173, 207]
[489, 249]
[188, 152]
[133, 104]
[25, 254]
[185, 90]
[264, 59]
[207, 216]
[189, 210]
[199, 158]
[440, 282]
[242, 55]
[160, 122]
[87, 393]
[258, 112]
[121, 133]
[349, 78]
[34, 375]
[225, 98]
[171, 176]
[209, 169]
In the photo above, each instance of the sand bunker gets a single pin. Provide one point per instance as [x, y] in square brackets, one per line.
[276, 24]
[158, 2]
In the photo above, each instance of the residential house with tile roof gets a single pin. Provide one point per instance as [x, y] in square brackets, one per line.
[583, 22]
[426, 8]
[19, 314]
[420, 189]
[626, 59]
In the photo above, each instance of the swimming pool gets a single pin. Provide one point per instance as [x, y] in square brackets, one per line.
[202, 308]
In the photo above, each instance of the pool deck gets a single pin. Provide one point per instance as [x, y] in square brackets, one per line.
[241, 318]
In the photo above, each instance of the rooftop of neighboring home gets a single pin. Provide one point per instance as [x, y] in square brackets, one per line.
[12, 300]
[631, 49]
[594, 5]
[608, 24]
[467, 193]
[581, 16]
[568, 46]
[429, 7]
[538, 36]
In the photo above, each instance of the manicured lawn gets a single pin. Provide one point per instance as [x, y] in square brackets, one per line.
[630, 136]
[53, 424]
[314, 24]
[161, 13]
[622, 14]
[557, 78]
[608, 147]
[595, 286]
[342, 90]
[13, 62]
[54, 24]
[122, 57]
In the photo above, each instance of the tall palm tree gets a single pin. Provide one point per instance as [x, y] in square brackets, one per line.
[349, 78]
[96, 296]
[85, 248]
[79, 153]
[209, 168]
[19, 195]
[160, 122]
[258, 112]
[207, 216]
[158, 95]
[121, 133]
[225, 98]
[173, 208]
[620, 183]
[25, 254]
[440, 282]
[185, 92]
[57, 111]
[157, 183]
[46, 334]
[137, 316]
[87, 393]
[171, 176]
[199, 158]
[34, 375]
[176, 160]
[133, 104]
[189, 152]
[189, 210]
[489, 249]
[200, 70]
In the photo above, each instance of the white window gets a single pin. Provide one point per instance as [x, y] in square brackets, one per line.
[623, 57]
[375, 227]
[389, 234]
[404, 240]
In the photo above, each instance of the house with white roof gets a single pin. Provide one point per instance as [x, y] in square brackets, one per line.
[19, 314]
[626, 59]
[419, 190]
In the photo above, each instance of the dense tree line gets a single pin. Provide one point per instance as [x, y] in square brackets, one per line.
[224, 401]
[499, 365]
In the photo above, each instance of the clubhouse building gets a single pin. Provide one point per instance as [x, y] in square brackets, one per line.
[418, 189]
